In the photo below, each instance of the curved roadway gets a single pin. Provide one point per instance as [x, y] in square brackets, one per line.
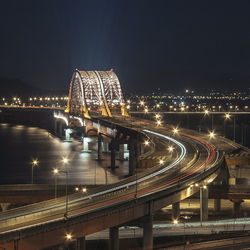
[193, 157]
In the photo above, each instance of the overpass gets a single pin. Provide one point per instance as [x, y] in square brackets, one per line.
[196, 162]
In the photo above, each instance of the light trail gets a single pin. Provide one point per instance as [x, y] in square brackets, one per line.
[166, 168]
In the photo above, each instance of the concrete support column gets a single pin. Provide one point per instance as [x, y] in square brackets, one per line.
[121, 151]
[112, 158]
[80, 244]
[134, 148]
[148, 233]
[85, 144]
[100, 147]
[237, 208]
[114, 238]
[217, 205]
[176, 211]
[203, 204]
[5, 206]
[105, 146]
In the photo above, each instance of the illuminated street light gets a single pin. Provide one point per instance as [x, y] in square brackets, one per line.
[227, 116]
[175, 221]
[76, 189]
[158, 122]
[157, 116]
[175, 130]
[142, 103]
[211, 134]
[65, 160]
[206, 112]
[34, 164]
[68, 236]
[161, 162]
[84, 190]
[146, 110]
[205, 187]
[146, 143]
[170, 148]
[157, 105]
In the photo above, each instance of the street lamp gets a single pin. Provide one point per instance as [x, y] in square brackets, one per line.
[158, 122]
[211, 134]
[34, 164]
[68, 236]
[56, 171]
[170, 148]
[65, 160]
[175, 130]
[146, 143]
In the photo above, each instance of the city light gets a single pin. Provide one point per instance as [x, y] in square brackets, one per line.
[65, 160]
[170, 148]
[84, 190]
[55, 171]
[146, 110]
[158, 122]
[35, 162]
[227, 116]
[76, 189]
[68, 236]
[175, 221]
[157, 116]
[146, 143]
[175, 130]
[161, 162]
[205, 187]
[211, 134]
[142, 103]
[206, 112]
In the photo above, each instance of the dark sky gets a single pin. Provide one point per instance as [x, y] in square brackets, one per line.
[150, 44]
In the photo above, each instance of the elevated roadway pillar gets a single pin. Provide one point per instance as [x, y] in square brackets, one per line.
[203, 204]
[99, 147]
[121, 151]
[134, 147]
[112, 158]
[148, 232]
[176, 211]
[80, 244]
[114, 238]
[217, 205]
[237, 208]
[105, 146]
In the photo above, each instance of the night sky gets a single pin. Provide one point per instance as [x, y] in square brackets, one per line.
[150, 44]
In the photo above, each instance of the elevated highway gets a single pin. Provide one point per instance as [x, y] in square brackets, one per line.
[195, 164]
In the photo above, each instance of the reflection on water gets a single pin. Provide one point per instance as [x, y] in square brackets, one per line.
[21, 144]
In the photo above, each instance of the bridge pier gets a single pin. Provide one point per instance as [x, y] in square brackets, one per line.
[133, 156]
[148, 232]
[112, 157]
[105, 146]
[99, 147]
[203, 204]
[217, 205]
[114, 238]
[85, 144]
[237, 208]
[5, 206]
[121, 152]
[176, 211]
[80, 244]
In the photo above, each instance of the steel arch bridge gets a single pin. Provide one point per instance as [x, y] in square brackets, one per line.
[95, 91]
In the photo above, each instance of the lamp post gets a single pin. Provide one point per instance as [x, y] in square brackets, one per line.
[34, 164]
[56, 171]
